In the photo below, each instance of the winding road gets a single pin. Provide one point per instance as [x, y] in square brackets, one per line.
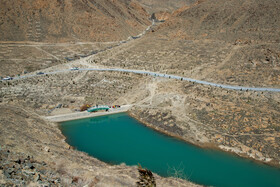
[231, 87]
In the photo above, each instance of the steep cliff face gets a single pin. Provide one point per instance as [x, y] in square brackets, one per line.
[73, 20]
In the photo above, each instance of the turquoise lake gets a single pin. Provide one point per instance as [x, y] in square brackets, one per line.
[120, 138]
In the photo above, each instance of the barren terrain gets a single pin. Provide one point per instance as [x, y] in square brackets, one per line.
[18, 58]
[73, 20]
[164, 5]
[33, 152]
[236, 44]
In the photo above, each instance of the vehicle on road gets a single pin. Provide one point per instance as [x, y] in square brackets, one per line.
[40, 73]
[8, 78]
[74, 68]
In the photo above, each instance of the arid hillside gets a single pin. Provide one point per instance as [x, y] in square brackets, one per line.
[203, 42]
[153, 6]
[230, 20]
[230, 42]
[33, 153]
[73, 20]
[234, 42]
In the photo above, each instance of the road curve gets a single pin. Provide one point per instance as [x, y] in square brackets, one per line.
[231, 87]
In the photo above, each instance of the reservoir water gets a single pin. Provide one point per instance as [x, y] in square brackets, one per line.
[119, 139]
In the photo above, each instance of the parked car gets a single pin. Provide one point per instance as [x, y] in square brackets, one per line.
[74, 68]
[8, 78]
[40, 73]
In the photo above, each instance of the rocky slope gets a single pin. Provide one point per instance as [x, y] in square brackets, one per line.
[230, 20]
[245, 122]
[33, 153]
[203, 42]
[153, 6]
[211, 60]
[230, 42]
[242, 122]
[20, 58]
[59, 20]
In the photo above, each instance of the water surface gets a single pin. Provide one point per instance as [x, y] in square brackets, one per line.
[119, 139]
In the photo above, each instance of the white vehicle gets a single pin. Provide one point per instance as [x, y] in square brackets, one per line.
[8, 78]
[74, 68]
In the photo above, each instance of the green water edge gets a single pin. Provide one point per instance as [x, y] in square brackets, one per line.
[119, 138]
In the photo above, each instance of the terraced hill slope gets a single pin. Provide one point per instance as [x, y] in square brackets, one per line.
[74, 20]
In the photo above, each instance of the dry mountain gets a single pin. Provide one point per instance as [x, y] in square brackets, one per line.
[229, 20]
[153, 6]
[230, 42]
[233, 45]
[250, 29]
[73, 20]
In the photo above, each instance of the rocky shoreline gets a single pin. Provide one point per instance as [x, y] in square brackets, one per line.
[194, 113]
[34, 152]
[173, 132]
[207, 40]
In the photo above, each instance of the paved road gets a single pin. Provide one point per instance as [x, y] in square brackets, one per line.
[231, 87]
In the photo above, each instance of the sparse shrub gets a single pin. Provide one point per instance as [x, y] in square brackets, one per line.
[177, 172]
[146, 177]
[75, 179]
[276, 128]
[85, 107]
